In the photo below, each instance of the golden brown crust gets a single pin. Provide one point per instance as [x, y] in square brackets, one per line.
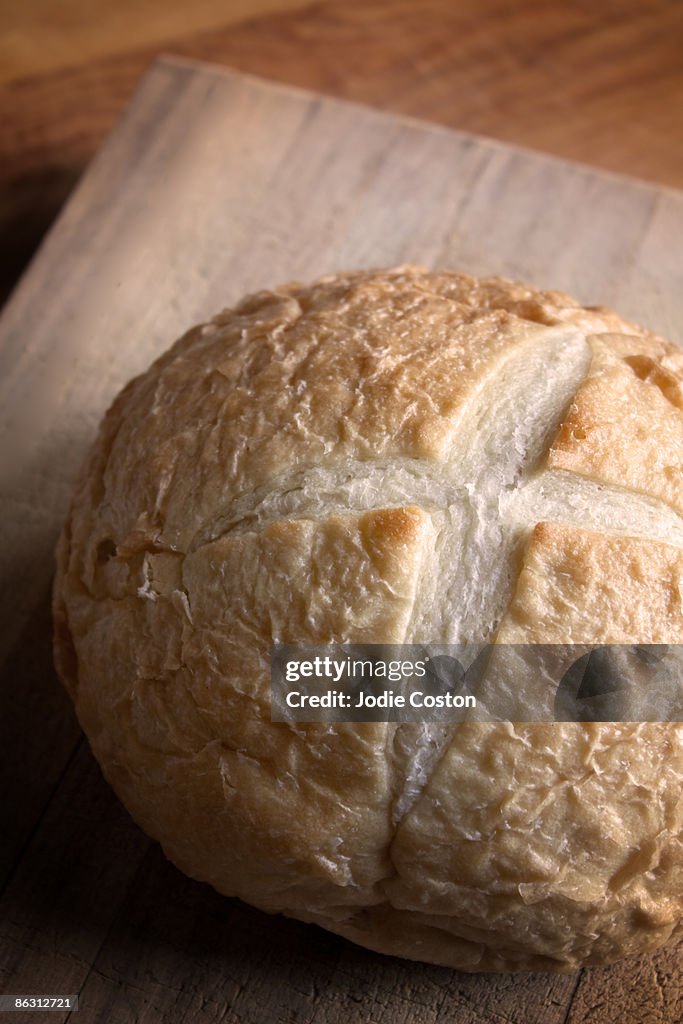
[579, 587]
[625, 425]
[288, 472]
[559, 857]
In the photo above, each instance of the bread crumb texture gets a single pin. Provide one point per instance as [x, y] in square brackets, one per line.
[379, 457]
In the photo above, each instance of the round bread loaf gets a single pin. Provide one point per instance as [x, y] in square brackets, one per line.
[386, 457]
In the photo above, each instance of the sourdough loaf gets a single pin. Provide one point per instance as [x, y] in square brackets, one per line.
[385, 457]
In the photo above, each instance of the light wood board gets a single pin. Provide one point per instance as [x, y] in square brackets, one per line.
[212, 185]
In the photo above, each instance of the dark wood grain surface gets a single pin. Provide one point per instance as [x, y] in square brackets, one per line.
[597, 82]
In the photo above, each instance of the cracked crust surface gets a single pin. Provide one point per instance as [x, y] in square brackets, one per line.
[631, 401]
[368, 459]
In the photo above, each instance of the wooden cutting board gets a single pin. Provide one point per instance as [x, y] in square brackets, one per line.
[214, 184]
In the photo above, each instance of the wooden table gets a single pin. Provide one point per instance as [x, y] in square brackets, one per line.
[600, 82]
[89, 903]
